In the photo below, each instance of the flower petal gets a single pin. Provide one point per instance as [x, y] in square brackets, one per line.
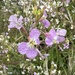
[37, 41]
[19, 23]
[61, 32]
[11, 25]
[49, 41]
[31, 53]
[46, 23]
[52, 33]
[13, 18]
[23, 48]
[67, 1]
[45, 14]
[61, 39]
[34, 33]
[20, 19]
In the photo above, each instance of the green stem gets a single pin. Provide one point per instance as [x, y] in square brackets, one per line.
[64, 71]
[72, 52]
[71, 21]
[68, 12]
[47, 73]
[19, 38]
[45, 66]
[40, 54]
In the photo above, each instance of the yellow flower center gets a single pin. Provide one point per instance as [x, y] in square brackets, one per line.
[18, 24]
[54, 41]
[32, 43]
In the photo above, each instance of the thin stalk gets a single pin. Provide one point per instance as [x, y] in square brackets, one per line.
[19, 38]
[71, 21]
[70, 54]
[47, 73]
[40, 54]
[64, 70]
[24, 30]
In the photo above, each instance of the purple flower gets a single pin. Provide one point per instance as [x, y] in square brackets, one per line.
[28, 48]
[35, 73]
[15, 22]
[44, 21]
[55, 36]
[66, 46]
[67, 1]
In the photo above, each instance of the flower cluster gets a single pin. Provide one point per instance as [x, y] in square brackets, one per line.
[30, 48]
